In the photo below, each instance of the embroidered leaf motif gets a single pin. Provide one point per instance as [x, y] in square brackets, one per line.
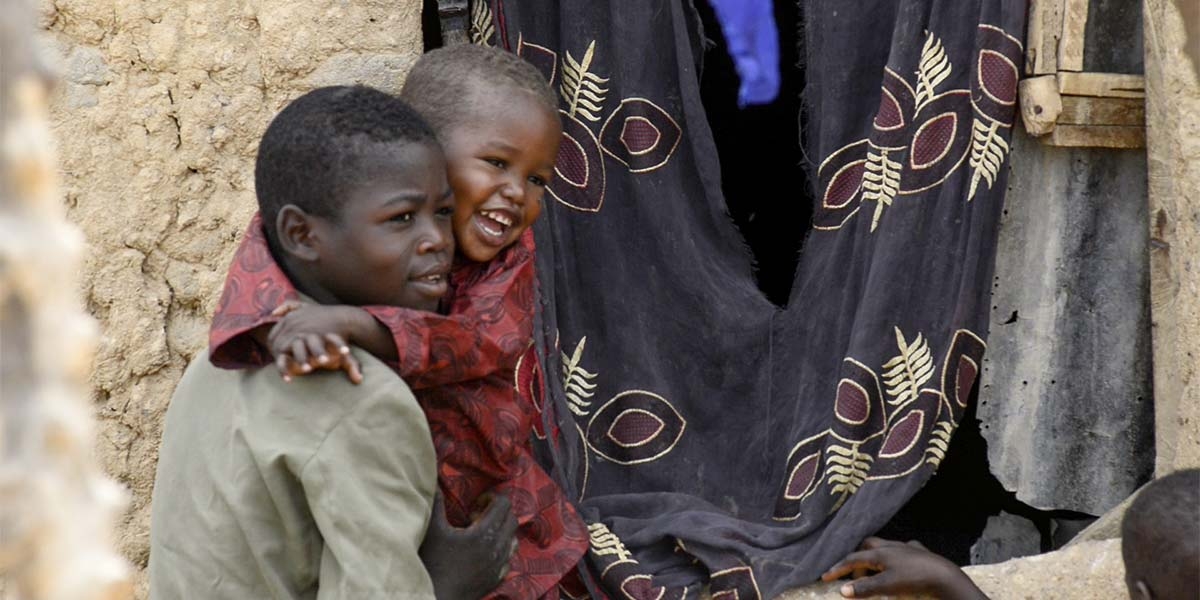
[581, 88]
[847, 470]
[988, 150]
[939, 443]
[481, 23]
[906, 372]
[933, 69]
[605, 542]
[577, 381]
[881, 181]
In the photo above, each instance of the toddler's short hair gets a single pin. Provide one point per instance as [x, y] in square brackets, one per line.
[316, 145]
[447, 84]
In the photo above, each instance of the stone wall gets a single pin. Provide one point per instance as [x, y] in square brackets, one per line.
[158, 113]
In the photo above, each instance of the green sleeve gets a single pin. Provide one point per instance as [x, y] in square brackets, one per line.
[370, 488]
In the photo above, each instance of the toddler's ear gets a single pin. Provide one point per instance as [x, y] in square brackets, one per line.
[296, 233]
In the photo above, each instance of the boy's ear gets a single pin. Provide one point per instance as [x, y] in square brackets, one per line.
[1140, 591]
[295, 232]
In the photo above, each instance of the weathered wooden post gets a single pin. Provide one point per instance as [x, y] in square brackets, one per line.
[57, 508]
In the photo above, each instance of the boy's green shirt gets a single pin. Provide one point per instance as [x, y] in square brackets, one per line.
[316, 488]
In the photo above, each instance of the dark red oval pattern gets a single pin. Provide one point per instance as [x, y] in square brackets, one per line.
[998, 76]
[803, 476]
[579, 170]
[903, 435]
[639, 587]
[639, 135]
[845, 185]
[572, 163]
[624, 429]
[965, 380]
[932, 141]
[634, 427]
[889, 116]
[852, 404]
[961, 368]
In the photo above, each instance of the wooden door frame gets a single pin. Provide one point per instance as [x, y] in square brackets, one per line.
[1062, 104]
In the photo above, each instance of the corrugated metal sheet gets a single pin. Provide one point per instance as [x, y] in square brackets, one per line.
[1066, 392]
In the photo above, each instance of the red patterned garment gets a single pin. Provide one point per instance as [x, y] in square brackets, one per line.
[462, 368]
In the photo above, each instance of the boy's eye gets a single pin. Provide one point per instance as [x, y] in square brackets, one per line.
[495, 162]
[538, 181]
[404, 217]
[446, 211]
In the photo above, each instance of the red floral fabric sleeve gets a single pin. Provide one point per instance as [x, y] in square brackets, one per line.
[486, 331]
[254, 287]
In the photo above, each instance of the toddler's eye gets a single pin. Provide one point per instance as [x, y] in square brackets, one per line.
[404, 217]
[446, 211]
[538, 181]
[496, 162]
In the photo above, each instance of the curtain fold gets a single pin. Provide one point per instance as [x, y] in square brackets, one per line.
[707, 435]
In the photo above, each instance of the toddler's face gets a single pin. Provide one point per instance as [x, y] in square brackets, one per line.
[499, 164]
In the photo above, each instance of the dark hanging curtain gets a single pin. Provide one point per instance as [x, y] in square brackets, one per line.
[705, 434]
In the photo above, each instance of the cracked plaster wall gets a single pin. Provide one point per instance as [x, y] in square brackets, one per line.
[1173, 150]
[157, 113]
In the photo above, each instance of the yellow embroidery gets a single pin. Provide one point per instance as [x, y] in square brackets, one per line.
[581, 88]
[881, 181]
[577, 381]
[481, 23]
[939, 443]
[933, 69]
[847, 470]
[988, 150]
[606, 543]
[906, 372]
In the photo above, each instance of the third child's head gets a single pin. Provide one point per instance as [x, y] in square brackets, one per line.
[352, 188]
[497, 119]
[1160, 539]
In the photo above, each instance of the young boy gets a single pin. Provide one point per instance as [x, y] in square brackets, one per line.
[1160, 545]
[497, 120]
[319, 488]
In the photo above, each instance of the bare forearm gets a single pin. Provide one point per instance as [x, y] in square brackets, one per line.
[366, 332]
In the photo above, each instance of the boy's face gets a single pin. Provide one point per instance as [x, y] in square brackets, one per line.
[499, 164]
[392, 244]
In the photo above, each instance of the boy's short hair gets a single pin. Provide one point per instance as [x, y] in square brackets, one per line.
[1160, 536]
[446, 84]
[316, 145]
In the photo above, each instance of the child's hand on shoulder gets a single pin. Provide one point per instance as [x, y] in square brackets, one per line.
[899, 568]
[313, 337]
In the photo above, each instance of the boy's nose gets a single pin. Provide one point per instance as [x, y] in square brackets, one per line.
[434, 240]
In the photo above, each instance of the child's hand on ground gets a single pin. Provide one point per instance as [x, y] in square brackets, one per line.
[311, 337]
[467, 563]
[901, 569]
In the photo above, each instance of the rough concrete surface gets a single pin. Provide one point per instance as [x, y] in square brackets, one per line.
[158, 113]
[1173, 149]
[1088, 571]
